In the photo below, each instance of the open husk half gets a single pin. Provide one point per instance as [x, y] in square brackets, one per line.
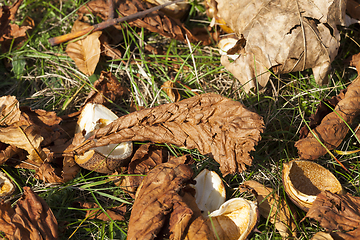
[231, 220]
[304, 180]
[235, 219]
[210, 191]
[104, 159]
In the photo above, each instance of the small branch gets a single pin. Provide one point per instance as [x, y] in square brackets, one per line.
[70, 36]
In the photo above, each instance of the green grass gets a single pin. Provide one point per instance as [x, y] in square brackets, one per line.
[43, 76]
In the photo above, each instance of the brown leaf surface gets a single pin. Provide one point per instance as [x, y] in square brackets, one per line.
[324, 108]
[12, 34]
[9, 111]
[157, 197]
[86, 51]
[30, 219]
[293, 36]
[211, 123]
[279, 211]
[333, 128]
[27, 138]
[116, 213]
[106, 88]
[155, 22]
[145, 158]
[339, 214]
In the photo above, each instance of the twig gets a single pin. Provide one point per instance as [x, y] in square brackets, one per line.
[67, 37]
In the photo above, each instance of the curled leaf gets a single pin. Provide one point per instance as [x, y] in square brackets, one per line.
[338, 214]
[211, 123]
[157, 197]
[334, 126]
[31, 218]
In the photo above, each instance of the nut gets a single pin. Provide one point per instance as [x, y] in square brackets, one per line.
[210, 191]
[304, 180]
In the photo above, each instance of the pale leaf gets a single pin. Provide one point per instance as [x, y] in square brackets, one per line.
[24, 137]
[85, 52]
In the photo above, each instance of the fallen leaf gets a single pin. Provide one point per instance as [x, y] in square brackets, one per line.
[277, 210]
[333, 127]
[9, 111]
[145, 158]
[325, 107]
[12, 34]
[156, 198]
[85, 52]
[171, 91]
[211, 123]
[291, 36]
[27, 138]
[8, 152]
[115, 213]
[106, 88]
[156, 21]
[31, 218]
[338, 214]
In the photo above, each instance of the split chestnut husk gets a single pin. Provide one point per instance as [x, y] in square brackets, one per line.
[104, 159]
[304, 180]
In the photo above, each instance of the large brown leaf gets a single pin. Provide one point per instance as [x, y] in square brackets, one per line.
[277, 210]
[211, 123]
[339, 214]
[85, 52]
[291, 36]
[145, 158]
[157, 197]
[31, 218]
[334, 126]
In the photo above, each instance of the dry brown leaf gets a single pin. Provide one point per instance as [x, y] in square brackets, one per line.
[155, 22]
[12, 34]
[293, 36]
[211, 123]
[115, 213]
[106, 88]
[9, 111]
[30, 219]
[156, 198]
[334, 126]
[171, 91]
[145, 158]
[339, 214]
[85, 52]
[27, 138]
[279, 211]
